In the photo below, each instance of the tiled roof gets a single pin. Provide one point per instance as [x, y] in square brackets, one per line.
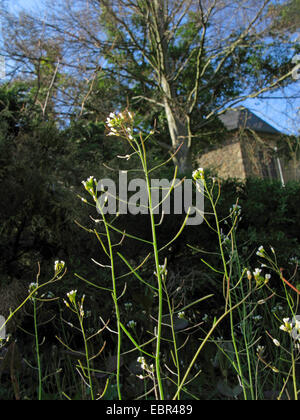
[243, 118]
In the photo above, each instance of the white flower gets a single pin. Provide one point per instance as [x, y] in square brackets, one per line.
[198, 173]
[287, 326]
[32, 288]
[59, 265]
[89, 183]
[256, 272]
[276, 342]
[260, 251]
[113, 131]
[72, 296]
[119, 124]
[297, 324]
[267, 277]
[235, 209]
[181, 315]
[260, 349]
[296, 328]
[131, 324]
[276, 308]
[142, 361]
[162, 270]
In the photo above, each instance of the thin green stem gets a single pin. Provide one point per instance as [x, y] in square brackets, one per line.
[171, 312]
[143, 158]
[294, 376]
[204, 341]
[86, 354]
[228, 294]
[234, 343]
[37, 349]
[115, 299]
[159, 278]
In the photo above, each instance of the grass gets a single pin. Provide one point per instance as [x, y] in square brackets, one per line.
[162, 351]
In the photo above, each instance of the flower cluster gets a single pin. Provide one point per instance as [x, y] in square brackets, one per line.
[131, 324]
[260, 350]
[72, 296]
[142, 361]
[58, 266]
[294, 260]
[198, 174]
[260, 252]
[277, 308]
[32, 289]
[90, 185]
[286, 326]
[128, 306]
[225, 238]
[145, 367]
[292, 327]
[258, 277]
[235, 210]
[162, 270]
[75, 307]
[120, 124]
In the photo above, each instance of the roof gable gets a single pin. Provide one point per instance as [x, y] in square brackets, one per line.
[243, 118]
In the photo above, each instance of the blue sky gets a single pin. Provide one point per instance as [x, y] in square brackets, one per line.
[283, 114]
[23, 4]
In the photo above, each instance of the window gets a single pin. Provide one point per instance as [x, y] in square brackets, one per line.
[268, 166]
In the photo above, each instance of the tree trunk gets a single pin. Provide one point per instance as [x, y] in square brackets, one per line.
[178, 121]
[181, 138]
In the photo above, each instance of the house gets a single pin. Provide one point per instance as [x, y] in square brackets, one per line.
[249, 150]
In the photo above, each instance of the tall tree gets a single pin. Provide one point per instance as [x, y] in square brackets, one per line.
[287, 16]
[216, 43]
[189, 58]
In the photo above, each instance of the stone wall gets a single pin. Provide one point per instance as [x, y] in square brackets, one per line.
[245, 154]
[290, 170]
[226, 161]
